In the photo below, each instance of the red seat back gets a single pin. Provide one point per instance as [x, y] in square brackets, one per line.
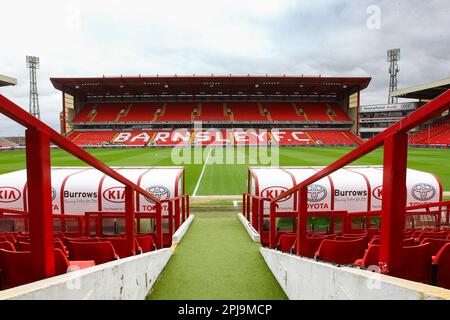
[341, 251]
[443, 267]
[309, 246]
[99, 251]
[15, 268]
[23, 246]
[432, 235]
[146, 243]
[286, 242]
[435, 244]
[416, 263]
[7, 246]
[119, 244]
[371, 256]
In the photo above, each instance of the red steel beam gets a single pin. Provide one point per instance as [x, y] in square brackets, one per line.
[19, 115]
[426, 112]
[393, 207]
[40, 203]
[129, 220]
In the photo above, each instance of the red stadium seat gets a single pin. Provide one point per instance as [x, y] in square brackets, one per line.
[286, 242]
[62, 265]
[435, 244]
[16, 267]
[100, 251]
[432, 235]
[23, 246]
[7, 246]
[341, 251]
[119, 244]
[406, 242]
[309, 246]
[417, 263]
[146, 243]
[371, 257]
[442, 260]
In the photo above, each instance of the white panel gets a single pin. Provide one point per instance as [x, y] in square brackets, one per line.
[350, 191]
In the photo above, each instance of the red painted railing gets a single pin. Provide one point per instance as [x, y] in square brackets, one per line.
[38, 137]
[395, 142]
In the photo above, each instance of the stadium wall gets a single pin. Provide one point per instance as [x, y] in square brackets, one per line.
[125, 279]
[306, 279]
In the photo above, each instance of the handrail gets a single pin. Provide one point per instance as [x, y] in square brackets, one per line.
[424, 113]
[14, 112]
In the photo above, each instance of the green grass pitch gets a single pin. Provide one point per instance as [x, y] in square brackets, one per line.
[231, 179]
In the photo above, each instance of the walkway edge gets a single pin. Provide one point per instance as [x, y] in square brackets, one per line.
[179, 234]
[254, 235]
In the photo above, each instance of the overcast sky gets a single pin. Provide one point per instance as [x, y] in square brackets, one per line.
[331, 38]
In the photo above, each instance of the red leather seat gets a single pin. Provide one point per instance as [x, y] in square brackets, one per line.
[442, 260]
[99, 251]
[341, 251]
[371, 256]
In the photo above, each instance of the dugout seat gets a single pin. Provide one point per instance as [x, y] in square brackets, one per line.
[416, 263]
[7, 246]
[146, 243]
[442, 260]
[286, 242]
[371, 257]
[435, 244]
[99, 251]
[341, 251]
[16, 268]
[309, 247]
[120, 245]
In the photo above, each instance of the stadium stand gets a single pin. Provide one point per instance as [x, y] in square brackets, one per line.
[91, 137]
[177, 112]
[246, 111]
[5, 143]
[140, 112]
[435, 133]
[211, 112]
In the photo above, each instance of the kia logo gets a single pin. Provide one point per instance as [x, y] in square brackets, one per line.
[316, 193]
[274, 191]
[53, 194]
[114, 194]
[423, 191]
[9, 194]
[377, 192]
[159, 192]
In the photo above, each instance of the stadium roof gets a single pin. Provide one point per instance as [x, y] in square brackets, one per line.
[426, 91]
[211, 85]
[7, 81]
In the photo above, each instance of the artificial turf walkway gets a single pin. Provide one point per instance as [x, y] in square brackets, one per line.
[216, 260]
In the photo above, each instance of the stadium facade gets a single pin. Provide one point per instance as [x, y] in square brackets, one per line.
[165, 110]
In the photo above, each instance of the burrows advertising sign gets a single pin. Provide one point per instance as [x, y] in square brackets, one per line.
[78, 190]
[351, 189]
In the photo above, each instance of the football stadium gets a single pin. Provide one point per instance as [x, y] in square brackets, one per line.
[226, 187]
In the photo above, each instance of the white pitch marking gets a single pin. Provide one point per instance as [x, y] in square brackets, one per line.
[236, 202]
[201, 174]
